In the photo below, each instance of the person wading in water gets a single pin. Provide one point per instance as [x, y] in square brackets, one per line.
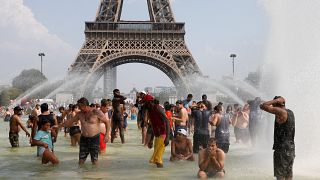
[284, 131]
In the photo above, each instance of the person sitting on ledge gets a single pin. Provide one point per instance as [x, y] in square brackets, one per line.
[181, 147]
[211, 161]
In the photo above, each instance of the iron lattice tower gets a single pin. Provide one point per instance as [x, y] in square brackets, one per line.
[110, 42]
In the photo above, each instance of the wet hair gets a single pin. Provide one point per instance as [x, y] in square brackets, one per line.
[43, 122]
[167, 106]
[31, 117]
[44, 107]
[92, 105]
[70, 106]
[217, 108]
[104, 102]
[156, 101]
[189, 96]
[116, 90]
[229, 108]
[277, 97]
[212, 140]
[83, 101]
[74, 107]
[61, 108]
[200, 104]
[204, 97]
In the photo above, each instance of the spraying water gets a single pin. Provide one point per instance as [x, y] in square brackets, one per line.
[70, 84]
[208, 84]
[36, 89]
[291, 70]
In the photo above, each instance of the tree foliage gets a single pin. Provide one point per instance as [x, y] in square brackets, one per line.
[9, 94]
[27, 79]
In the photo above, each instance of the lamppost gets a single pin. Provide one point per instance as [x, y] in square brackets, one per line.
[233, 56]
[41, 55]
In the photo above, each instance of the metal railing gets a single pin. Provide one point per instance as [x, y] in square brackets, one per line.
[134, 27]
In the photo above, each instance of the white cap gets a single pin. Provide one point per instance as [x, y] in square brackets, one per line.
[182, 131]
[143, 92]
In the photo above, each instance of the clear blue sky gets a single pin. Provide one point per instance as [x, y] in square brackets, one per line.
[215, 28]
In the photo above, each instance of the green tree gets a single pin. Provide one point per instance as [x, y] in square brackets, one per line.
[9, 94]
[27, 79]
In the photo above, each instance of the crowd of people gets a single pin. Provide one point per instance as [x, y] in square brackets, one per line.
[92, 126]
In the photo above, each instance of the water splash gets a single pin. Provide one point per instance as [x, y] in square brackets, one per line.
[292, 70]
[34, 90]
[71, 83]
[211, 84]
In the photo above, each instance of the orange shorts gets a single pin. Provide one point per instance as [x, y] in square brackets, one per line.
[103, 145]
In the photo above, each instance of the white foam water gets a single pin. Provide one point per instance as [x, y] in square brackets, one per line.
[292, 63]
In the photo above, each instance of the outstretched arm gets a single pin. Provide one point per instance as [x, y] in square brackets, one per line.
[70, 122]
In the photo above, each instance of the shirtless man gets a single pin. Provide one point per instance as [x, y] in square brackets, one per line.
[36, 110]
[181, 119]
[181, 147]
[284, 133]
[105, 106]
[240, 121]
[33, 116]
[90, 130]
[118, 106]
[211, 161]
[15, 125]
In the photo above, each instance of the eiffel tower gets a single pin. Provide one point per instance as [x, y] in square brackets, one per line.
[110, 42]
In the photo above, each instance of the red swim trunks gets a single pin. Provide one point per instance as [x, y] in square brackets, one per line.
[103, 145]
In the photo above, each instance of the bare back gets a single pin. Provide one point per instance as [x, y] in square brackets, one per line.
[183, 116]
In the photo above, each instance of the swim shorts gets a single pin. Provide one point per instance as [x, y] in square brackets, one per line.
[89, 145]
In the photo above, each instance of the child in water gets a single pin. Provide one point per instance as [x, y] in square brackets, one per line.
[43, 140]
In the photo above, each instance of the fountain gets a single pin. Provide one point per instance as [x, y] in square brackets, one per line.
[291, 70]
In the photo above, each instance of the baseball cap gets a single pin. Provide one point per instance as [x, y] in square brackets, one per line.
[143, 92]
[147, 98]
[182, 131]
[17, 108]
